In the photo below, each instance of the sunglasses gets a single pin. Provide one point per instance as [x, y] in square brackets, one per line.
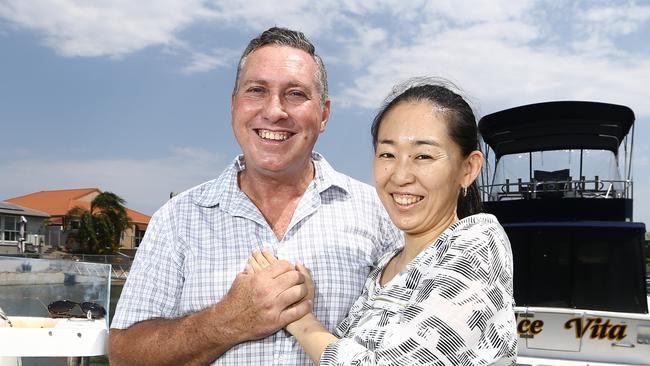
[63, 309]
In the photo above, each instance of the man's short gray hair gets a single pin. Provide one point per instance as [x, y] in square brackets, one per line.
[290, 38]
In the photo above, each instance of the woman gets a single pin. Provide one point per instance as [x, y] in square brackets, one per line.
[446, 297]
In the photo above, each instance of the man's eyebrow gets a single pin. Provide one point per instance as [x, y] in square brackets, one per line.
[263, 82]
[297, 83]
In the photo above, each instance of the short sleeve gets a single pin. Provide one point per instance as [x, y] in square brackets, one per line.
[155, 281]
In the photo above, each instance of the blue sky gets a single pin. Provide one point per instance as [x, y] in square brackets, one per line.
[133, 96]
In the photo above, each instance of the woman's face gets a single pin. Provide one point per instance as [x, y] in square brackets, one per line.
[418, 169]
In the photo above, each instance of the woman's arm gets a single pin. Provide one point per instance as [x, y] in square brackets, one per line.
[312, 336]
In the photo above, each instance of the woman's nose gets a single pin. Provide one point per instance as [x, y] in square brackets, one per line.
[274, 109]
[403, 173]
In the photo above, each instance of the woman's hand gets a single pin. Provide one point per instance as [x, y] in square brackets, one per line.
[259, 260]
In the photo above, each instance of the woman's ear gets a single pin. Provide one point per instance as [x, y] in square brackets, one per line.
[472, 167]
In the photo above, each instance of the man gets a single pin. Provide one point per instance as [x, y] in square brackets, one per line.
[186, 300]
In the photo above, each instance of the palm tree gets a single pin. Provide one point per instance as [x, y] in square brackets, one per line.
[100, 229]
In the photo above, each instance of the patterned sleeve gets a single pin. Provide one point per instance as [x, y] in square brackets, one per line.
[155, 280]
[460, 314]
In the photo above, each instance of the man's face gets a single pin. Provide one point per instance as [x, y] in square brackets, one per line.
[276, 111]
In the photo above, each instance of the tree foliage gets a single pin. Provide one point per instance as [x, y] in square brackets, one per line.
[98, 230]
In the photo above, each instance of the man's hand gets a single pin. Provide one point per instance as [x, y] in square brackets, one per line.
[260, 261]
[259, 303]
[267, 299]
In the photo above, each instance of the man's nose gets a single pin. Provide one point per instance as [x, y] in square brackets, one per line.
[274, 109]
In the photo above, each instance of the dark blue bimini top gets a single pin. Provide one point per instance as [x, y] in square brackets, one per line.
[556, 126]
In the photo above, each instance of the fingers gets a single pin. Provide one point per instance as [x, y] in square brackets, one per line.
[309, 282]
[268, 255]
[292, 295]
[305, 271]
[260, 260]
[296, 311]
[253, 266]
[279, 268]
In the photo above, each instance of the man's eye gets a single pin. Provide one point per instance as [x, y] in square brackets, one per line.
[423, 157]
[255, 89]
[385, 155]
[296, 95]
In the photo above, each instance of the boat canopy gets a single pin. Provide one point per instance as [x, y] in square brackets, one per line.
[556, 126]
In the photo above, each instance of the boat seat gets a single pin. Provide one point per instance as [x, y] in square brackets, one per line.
[551, 184]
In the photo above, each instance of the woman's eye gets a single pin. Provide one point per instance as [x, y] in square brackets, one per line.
[423, 157]
[385, 155]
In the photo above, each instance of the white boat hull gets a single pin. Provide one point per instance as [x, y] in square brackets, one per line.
[573, 337]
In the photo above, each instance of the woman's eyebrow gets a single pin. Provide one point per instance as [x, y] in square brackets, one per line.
[426, 142]
[413, 141]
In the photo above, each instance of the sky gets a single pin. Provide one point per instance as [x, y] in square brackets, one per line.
[133, 97]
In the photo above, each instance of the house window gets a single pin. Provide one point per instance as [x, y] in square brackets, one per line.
[137, 238]
[9, 228]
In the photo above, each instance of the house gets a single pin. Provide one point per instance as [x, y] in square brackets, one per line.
[11, 216]
[57, 203]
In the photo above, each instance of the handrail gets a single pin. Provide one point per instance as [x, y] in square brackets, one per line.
[580, 188]
[120, 264]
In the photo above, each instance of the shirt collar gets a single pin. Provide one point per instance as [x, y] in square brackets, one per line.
[225, 189]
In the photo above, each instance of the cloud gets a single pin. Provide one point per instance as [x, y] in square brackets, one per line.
[314, 18]
[615, 20]
[103, 28]
[504, 61]
[502, 52]
[144, 183]
[202, 62]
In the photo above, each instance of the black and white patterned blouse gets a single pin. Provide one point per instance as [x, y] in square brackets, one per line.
[451, 305]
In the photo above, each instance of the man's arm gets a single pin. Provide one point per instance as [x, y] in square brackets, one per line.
[257, 305]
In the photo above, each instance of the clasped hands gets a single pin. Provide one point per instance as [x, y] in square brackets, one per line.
[261, 261]
[270, 294]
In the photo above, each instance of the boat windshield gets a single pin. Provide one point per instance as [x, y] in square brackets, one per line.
[594, 267]
[561, 173]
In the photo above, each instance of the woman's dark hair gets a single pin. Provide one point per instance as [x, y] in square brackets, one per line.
[461, 124]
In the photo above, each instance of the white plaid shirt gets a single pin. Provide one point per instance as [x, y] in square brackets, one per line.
[198, 241]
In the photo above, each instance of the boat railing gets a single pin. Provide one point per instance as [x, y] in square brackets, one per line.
[120, 264]
[571, 188]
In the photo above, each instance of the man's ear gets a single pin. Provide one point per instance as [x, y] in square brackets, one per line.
[325, 115]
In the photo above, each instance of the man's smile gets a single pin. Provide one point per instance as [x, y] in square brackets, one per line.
[273, 135]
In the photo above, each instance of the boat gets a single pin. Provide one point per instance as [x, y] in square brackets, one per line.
[558, 177]
[51, 309]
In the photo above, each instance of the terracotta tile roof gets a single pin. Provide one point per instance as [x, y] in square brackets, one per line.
[55, 203]
[59, 202]
[138, 217]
